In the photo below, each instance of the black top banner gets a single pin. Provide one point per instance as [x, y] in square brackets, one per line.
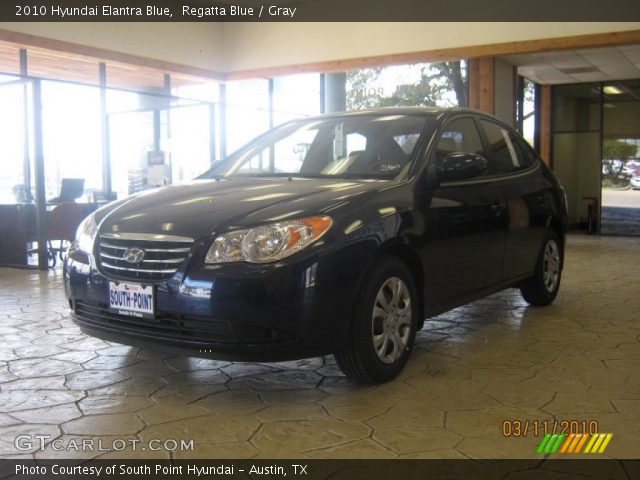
[319, 10]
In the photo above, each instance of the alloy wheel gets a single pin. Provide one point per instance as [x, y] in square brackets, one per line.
[551, 265]
[391, 320]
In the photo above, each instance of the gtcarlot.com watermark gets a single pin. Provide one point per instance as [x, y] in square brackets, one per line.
[34, 443]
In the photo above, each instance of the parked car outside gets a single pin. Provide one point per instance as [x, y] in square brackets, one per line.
[337, 234]
[635, 182]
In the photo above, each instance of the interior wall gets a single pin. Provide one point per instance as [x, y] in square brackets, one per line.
[194, 44]
[241, 46]
[576, 163]
[504, 91]
[261, 45]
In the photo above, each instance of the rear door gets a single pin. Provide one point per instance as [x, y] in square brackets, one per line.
[465, 224]
[525, 192]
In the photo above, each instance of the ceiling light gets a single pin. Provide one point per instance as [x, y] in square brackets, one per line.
[612, 90]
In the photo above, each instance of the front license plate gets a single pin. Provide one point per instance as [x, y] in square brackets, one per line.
[131, 299]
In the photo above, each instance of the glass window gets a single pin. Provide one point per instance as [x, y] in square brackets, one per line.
[247, 111]
[528, 111]
[295, 96]
[189, 143]
[460, 135]
[368, 146]
[72, 136]
[502, 155]
[131, 138]
[576, 108]
[14, 127]
[444, 84]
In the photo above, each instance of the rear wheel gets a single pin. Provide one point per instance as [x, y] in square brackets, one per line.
[541, 289]
[383, 324]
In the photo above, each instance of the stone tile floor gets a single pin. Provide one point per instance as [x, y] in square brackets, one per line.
[473, 368]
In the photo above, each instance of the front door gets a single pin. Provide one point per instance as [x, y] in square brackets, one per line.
[465, 225]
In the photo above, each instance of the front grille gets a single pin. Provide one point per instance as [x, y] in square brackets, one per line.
[169, 326]
[163, 255]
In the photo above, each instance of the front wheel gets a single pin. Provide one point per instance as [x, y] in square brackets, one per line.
[541, 289]
[383, 324]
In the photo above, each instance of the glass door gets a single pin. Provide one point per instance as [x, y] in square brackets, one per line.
[620, 211]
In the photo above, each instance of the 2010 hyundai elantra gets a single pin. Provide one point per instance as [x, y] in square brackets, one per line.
[334, 235]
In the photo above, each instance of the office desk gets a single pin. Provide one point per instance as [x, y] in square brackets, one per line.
[17, 228]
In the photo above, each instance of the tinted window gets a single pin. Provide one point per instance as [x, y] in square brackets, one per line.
[459, 136]
[503, 154]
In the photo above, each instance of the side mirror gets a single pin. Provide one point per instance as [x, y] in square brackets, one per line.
[461, 165]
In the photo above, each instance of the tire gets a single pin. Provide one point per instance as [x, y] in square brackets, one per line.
[542, 288]
[383, 325]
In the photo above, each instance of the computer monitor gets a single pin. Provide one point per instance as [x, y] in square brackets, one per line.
[71, 189]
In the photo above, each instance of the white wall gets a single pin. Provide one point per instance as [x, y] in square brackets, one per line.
[261, 45]
[576, 162]
[241, 46]
[196, 44]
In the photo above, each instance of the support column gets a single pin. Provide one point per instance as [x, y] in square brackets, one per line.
[104, 119]
[482, 84]
[322, 96]
[545, 123]
[272, 152]
[335, 92]
[223, 120]
[26, 160]
[41, 201]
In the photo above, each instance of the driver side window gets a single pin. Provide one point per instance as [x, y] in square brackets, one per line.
[460, 135]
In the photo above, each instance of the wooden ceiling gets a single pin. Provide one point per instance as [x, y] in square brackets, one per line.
[9, 58]
[56, 64]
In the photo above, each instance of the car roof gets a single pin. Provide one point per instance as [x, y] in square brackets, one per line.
[437, 111]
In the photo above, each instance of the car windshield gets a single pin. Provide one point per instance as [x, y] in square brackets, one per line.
[357, 146]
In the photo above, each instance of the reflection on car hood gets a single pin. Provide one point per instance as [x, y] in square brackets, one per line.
[203, 207]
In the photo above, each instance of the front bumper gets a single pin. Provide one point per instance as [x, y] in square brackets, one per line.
[298, 308]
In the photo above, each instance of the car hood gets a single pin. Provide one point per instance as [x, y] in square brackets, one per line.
[204, 207]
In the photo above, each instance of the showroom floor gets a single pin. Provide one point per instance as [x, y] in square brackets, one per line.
[473, 368]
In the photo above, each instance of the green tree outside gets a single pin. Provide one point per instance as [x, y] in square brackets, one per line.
[435, 81]
[615, 155]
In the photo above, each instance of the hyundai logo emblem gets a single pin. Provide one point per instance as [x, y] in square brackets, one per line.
[134, 255]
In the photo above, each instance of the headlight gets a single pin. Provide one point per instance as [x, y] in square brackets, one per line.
[267, 243]
[86, 235]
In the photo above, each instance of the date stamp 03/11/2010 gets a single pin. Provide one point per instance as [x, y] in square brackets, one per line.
[560, 436]
[540, 428]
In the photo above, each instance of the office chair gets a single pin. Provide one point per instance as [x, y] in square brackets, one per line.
[62, 223]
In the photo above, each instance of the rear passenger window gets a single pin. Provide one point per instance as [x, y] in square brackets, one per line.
[527, 155]
[503, 154]
[459, 136]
